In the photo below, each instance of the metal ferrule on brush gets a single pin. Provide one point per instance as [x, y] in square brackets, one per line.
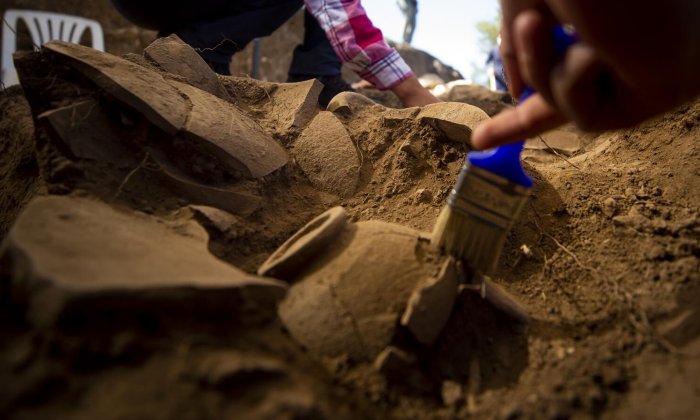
[491, 204]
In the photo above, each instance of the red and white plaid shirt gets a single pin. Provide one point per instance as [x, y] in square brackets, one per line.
[359, 43]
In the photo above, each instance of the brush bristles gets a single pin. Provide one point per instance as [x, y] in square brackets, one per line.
[469, 239]
[479, 213]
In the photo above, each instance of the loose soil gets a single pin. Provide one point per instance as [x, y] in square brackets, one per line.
[606, 259]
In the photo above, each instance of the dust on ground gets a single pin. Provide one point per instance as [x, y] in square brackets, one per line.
[606, 259]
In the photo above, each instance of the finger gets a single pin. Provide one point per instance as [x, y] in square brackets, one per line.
[586, 90]
[532, 117]
[510, 9]
[535, 52]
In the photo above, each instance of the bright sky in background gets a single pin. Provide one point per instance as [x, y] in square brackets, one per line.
[444, 28]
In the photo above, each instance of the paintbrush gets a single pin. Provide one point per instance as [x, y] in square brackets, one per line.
[491, 190]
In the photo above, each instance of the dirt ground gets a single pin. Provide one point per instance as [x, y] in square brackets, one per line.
[605, 258]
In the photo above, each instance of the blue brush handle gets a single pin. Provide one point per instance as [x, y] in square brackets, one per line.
[505, 160]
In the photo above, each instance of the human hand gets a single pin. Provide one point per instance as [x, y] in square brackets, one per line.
[412, 93]
[635, 59]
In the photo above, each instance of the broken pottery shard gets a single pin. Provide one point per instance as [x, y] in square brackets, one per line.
[226, 369]
[561, 141]
[142, 89]
[74, 259]
[86, 132]
[356, 291]
[174, 56]
[398, 115]
[326, 154]
[286, 106]
[212, 217]
[455, 120]
[348, 103]
[394, 362]
[295, 104]
[296, 252]
[217, 196]
[484, 98]
[431, 303]
[504, 302]
[225, 133]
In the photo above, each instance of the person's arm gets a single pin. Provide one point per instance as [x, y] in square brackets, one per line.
[361, 45]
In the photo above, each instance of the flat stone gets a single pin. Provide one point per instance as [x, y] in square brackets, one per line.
[175, 56]
[326, 154]
[78, 259]
[455, 120]
[222, 131]
[223, 197]
[430, 304]
[84, 131]
[142, 89]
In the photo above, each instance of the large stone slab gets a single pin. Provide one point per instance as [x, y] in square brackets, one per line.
[140, 88]
[224, 197]
[327, 155]
[220, 130]
[78, 259]
[455, 120]
[175, 56]
[83, 130]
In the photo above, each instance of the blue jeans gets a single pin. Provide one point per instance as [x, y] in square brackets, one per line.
[217, 29]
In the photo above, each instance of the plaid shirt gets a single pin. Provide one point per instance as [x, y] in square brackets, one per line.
[359, 43]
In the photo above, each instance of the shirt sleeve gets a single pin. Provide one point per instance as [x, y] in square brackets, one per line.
[358, 42]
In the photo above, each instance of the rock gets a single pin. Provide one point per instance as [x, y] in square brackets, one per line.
[76, 260]
[224, 197]
[212, 217]
[287, 106]
[349, 103]
[423, 196]
[455, 120]
[326, 154]
[422, 63]
[225, 369]
[357, 287]
[430, 304]
[142, 89]
[175, 56]
[226, 134]
[83, 130]
[452, 394]
[297, 252]
[610, 207]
